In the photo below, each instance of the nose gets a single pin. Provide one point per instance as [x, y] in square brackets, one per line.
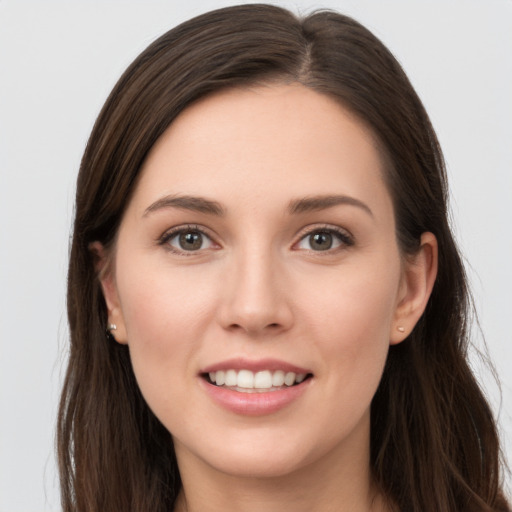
[256, 298]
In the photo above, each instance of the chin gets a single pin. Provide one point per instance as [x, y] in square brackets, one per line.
[259, 457]
[257, 466]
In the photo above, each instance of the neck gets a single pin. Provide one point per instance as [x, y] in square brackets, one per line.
[279, 495]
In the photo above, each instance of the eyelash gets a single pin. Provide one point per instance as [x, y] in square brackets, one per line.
[343, 237]
[174, 232]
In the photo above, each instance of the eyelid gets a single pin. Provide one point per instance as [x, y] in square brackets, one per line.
[171, 233]
[343, 235]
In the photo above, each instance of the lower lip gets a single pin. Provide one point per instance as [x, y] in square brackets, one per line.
[254, 404]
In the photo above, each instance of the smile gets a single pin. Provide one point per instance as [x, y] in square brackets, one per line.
[255, 388]
[247, 381]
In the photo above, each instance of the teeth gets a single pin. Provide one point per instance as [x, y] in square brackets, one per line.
[218, 377]
[289, 379]
[263, 380]
[278, 378]
[247, 379]
[231, 378]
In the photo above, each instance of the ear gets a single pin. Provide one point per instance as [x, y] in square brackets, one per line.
[418, 278]
[106, 277]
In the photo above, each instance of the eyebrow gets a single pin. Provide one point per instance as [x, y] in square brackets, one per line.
[316, 203]
[193, 203]
[297, 206]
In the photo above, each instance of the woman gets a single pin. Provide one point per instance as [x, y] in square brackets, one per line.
[261, 226]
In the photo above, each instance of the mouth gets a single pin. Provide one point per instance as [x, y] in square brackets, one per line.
[247, 381]
[255, 387]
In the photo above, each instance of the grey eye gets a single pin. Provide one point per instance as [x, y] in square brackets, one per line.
[323, 240]
[320, 241]
[190, 241]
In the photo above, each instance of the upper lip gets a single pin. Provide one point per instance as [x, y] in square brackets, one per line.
[254, 365]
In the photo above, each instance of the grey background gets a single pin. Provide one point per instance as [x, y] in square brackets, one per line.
[58, 62]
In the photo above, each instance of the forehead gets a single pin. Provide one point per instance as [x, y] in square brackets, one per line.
[276, 140]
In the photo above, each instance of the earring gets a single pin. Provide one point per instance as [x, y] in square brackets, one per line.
[108, 331]
[400, 329]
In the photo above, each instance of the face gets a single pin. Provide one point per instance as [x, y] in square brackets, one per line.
[258, 283]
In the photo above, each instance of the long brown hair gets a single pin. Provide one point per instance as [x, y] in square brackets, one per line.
[434, 444]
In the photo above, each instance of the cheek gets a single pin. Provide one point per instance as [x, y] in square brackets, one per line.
[351, 318]
[356, 306]
[165, 314]
[159, 304]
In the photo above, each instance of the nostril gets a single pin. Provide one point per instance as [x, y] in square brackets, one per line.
[274, 326]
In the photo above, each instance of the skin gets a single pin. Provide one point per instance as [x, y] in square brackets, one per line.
[258, 288]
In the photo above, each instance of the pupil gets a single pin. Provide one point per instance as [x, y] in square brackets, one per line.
[190, 241]
[321, 241]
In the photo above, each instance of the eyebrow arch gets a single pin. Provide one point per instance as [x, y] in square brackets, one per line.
[193, 203]
[315, 203]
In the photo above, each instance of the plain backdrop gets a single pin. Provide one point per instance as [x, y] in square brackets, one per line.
[58, 62]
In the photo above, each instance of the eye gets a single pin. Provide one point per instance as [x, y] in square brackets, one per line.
[187, 240]
[324, 240]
